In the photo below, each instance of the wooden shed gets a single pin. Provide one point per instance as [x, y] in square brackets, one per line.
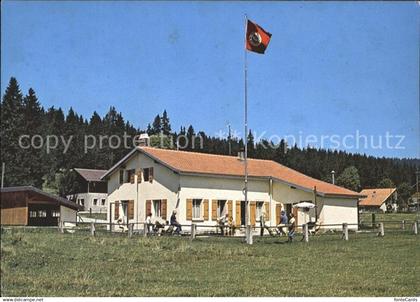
[34, 207]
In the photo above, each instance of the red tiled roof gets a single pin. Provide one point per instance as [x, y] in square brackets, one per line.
[376, 197]
[202, 163]
[90, 174]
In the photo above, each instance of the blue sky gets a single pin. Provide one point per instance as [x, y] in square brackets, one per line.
[331, 68]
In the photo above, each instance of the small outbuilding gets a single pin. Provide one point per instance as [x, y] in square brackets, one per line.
[379, 200]
[30, 206]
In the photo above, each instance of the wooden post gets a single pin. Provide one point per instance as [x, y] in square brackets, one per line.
[345, 231]
[373, 220]
[306, 232]
[248, 234]
[381, 230]
[60, 226]
[130, 230]
[3, 166]
[403, 225]
[193, 231]
[145, 229]
[92, 229]
[415, 227]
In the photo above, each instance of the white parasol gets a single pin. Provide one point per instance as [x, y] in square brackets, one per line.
[304, 204]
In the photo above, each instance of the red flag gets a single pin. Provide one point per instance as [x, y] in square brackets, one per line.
[257, 38]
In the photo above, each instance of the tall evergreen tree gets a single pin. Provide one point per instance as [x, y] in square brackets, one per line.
[157, 125]
[12, 127]
[166, 126]
[251, 145]
[190, 138]
[34, 158]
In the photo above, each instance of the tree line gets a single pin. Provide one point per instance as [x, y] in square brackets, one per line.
[49, 168]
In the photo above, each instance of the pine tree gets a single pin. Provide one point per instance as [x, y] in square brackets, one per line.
[251, 145]
[96, 155]
[149, 130]
[34, 159]
[12, 127]
[156, 126]
[166, 126]
[73, 154]
[190, 138]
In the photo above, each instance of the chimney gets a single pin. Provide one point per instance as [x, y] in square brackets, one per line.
[241, 155]
[144, 140]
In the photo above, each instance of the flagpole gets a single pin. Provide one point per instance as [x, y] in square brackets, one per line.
[247, 216]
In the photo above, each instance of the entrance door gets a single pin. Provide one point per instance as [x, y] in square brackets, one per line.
[288, 209]
[124, 204]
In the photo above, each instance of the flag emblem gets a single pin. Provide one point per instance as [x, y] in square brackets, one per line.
[257, 38]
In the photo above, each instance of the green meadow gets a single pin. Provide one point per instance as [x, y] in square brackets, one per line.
[44, 262]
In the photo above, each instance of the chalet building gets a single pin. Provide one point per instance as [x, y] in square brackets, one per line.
[379, 200]
[92, 191]
[33, 207]
[202, 187]
[415, 198]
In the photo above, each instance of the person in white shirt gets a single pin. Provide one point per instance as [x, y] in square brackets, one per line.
[149, 223]
[222, 223]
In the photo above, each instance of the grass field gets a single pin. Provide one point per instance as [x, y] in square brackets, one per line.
[101, 216]
[47, 263]
[397, 217]
[392, 220]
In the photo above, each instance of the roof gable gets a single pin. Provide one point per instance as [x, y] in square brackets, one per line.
[58, 199]
[90, 174]
[376, 197]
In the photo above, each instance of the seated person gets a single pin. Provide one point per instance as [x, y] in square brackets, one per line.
[159, 225]
[231, 226]
[221, 221]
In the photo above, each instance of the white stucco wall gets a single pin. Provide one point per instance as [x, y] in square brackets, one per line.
[89, 199]
[67, 214]
[220, 188]
[164, 186]
[338, 211]
[176, 189]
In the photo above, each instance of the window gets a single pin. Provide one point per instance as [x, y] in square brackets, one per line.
[146, 174]
[130, 175]
[32, 214]
[95, 202]
[121, 177]
[55, 213]
[259, 210]
[82, 202]
[156, 207]
[221, 208]
[196, 210]
[103, 202]
[42, 213]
